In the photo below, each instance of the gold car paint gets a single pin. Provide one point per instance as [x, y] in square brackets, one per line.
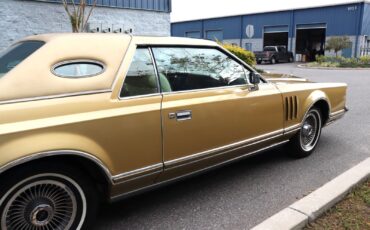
[219, 117]
[111, 130]
[30, 80]
[125, 135]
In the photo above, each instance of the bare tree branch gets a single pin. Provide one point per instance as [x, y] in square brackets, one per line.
[77, 15]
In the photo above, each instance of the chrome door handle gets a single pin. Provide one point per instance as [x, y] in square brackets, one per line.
[181, 115]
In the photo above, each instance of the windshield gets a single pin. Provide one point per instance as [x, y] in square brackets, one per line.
[269, 48]
[11, 57]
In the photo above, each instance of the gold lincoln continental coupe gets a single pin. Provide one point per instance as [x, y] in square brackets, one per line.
[86, 118]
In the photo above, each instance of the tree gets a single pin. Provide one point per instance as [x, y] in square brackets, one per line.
[338, 43]
[77, 14]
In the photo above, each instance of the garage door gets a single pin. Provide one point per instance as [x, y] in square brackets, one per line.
[276, 36]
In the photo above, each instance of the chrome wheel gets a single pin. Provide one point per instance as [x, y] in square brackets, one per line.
[310, 131]
[43, 202]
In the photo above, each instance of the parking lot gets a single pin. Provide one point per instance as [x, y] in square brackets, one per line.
[243, 194]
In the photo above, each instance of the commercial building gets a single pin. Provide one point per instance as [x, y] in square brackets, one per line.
[303, 31]
[20, 18]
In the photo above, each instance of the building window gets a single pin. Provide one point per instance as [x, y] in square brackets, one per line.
[215, 35]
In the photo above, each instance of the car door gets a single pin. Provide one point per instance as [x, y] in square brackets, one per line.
[208, 108]
[136, 124]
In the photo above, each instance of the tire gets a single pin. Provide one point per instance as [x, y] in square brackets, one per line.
[259, 62]
[290, 59]
[273, 60]
[47, 196]
[305, 141]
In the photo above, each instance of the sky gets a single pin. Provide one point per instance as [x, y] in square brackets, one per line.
[183, 10]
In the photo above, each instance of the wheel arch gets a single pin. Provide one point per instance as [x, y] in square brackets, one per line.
[86, 162]
[320, 100]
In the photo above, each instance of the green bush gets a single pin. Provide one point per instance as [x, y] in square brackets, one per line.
[365, 60]
[324, 61]
[321, 59]
[245, 55]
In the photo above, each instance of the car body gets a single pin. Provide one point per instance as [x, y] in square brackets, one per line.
[274, 54]
[121, 114]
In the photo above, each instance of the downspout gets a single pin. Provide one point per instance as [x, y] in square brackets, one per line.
[359, 28]
[202, 28]
[241, 31]
[291, 29]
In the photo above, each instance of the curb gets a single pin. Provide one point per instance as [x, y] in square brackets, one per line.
[303, 66]
[306, 210]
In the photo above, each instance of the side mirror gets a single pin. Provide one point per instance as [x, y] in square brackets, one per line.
[254, 78]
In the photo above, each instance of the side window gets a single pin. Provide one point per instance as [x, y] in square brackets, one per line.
[197, 68]
[141, 78]
[78, 69]
[11, 57]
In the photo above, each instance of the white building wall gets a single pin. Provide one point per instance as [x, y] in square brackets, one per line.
[19, 19]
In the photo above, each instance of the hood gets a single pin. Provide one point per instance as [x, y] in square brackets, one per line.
[284, 78]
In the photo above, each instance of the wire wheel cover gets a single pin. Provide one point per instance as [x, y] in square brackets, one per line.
[44, 204]
[310, 131]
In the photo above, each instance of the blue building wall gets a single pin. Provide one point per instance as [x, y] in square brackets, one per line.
[152, 5]
[339, 20]
[260, 21]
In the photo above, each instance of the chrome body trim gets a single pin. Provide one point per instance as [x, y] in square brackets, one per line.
[163, 183]
[292, 129]
[75, 61]
[41, 155]
[223, 149]
[248, 86]
[138, 173]
[139, 96]
[336, 116]
[55, 96]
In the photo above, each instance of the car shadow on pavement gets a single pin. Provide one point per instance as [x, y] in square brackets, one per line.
[212, 182]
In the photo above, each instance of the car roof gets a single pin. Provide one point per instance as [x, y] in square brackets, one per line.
[140, 40]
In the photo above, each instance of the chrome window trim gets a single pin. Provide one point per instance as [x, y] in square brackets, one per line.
[155, 69]
[221, 50]
[155, 73]
[55, 96]
[63, 152]
[162, 183]
[138, 173]
[209, 89]
[139, 96]
[75, 61]
[223, 149]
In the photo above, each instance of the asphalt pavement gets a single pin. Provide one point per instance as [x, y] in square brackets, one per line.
[243, 194]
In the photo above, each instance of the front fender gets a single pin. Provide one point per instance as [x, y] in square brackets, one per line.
[313, 98]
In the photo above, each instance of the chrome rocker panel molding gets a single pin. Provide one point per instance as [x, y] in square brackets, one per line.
[137, 174]
[336, 116]
[222, 150]
[163, 183]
